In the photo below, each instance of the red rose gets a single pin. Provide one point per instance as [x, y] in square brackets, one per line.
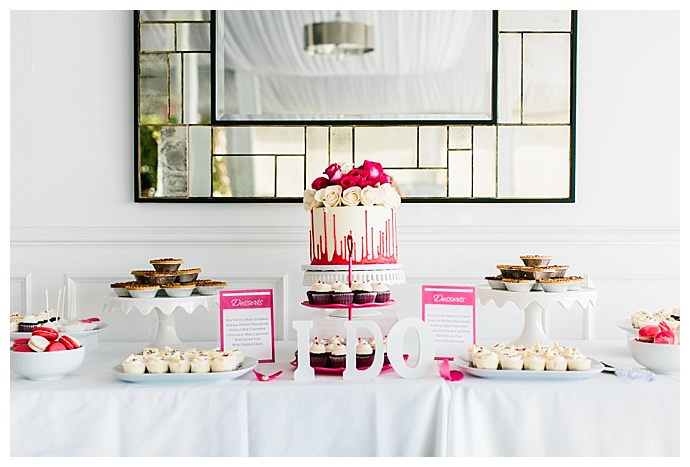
[374, 169]
[384, 179]
[348, 181]
[333, 172]
[321, 182]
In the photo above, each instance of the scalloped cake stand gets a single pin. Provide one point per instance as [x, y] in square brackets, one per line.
[534, 304]
[166, 334]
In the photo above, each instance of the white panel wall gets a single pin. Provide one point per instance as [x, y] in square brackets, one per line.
[74, 224]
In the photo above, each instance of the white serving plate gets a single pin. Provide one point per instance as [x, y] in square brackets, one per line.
[626, 326]
[248, 365]
[595, 369]
[77, 334]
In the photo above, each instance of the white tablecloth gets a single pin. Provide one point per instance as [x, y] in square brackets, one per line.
[92, 413]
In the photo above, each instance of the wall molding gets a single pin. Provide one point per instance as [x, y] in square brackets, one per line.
[286, 236]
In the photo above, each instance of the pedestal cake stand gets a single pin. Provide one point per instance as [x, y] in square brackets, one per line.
[384, 273]
[534, 304]
[166, 334]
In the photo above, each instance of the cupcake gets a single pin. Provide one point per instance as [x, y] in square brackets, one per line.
[578, 362]
[156, 364]
[383, 293]
[28, 323]
[320, 293]
[223, 361]
[363, 293]
[365, 354]
[555, 361]
[178, 363]
[342, 294]
[485, 359]
[200, 363]
[318, 358]
[338, 355]
[532, 361]
[510, 361]
[134, 364]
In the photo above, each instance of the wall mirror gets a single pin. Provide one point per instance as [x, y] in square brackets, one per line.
[224, 113]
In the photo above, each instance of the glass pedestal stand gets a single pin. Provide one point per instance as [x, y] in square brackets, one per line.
[534, 304]
[166, 334]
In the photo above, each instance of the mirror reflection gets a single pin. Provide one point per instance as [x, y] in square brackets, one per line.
[407, 65]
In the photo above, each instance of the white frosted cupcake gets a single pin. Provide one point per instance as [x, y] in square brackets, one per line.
[510, 361]
[178, 363]
[555, 361]
[579, 362]
[383, 292]
[134, 364]
[472, 350]
[156, 364]
[532, 361]
[200, 363]
[486, 360]
[223, 361]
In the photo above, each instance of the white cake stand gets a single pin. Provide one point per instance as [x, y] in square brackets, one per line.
[166, 334]
[534, 304]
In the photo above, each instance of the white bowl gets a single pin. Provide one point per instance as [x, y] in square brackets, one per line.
[46, 366]
[660, 358]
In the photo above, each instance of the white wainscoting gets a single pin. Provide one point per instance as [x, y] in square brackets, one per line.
[631, 267]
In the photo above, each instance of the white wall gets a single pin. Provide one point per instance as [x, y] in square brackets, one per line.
[73, 221]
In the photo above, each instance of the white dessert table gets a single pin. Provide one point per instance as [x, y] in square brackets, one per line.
[166, 333]
[535, 306]
[601, 416]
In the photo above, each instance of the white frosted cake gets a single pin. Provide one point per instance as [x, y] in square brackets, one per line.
[358, 201]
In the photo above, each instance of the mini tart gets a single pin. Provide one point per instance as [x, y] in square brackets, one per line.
[122, 285]
[189, 271]
[166, 261]
[534, 257]
[519, 281]
[210, 283]
[179, 285]
[559, 280]
[139, 286]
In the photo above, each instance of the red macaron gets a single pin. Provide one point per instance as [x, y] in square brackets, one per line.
[49, 333]
[21, 348]
[69, 342]
[55, 346]
[647, 333]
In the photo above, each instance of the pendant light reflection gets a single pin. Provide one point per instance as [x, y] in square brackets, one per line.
[338, 39]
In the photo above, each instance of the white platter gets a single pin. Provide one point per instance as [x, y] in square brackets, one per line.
[77, 334]
[248, 365]
[595, 369]
[626, 326]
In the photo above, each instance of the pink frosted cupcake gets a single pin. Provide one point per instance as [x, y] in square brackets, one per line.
[342, 294]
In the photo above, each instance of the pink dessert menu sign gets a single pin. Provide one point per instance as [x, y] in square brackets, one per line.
[246, 323]
[449, 311]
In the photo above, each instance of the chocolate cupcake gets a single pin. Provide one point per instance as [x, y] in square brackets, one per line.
[342, 294]
[365, 354]
[29, 323]
[320, 294]
[338, 355]
[318, 358]
[383, 293]
[363, 293]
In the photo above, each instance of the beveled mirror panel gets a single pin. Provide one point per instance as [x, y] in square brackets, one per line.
[523, 151]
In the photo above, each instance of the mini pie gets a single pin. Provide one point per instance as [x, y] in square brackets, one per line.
[178, 285]
[210, 283]
[166, 261]
[138, 286]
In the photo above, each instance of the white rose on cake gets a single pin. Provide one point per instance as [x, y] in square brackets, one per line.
[371, 196]
[352, 196]
[329, 196]
[309, 200]
[391, 197]
[345, 167]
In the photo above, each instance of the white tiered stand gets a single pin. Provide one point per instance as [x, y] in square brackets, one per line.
[166, 334]
[387, 274]
[534, 305]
